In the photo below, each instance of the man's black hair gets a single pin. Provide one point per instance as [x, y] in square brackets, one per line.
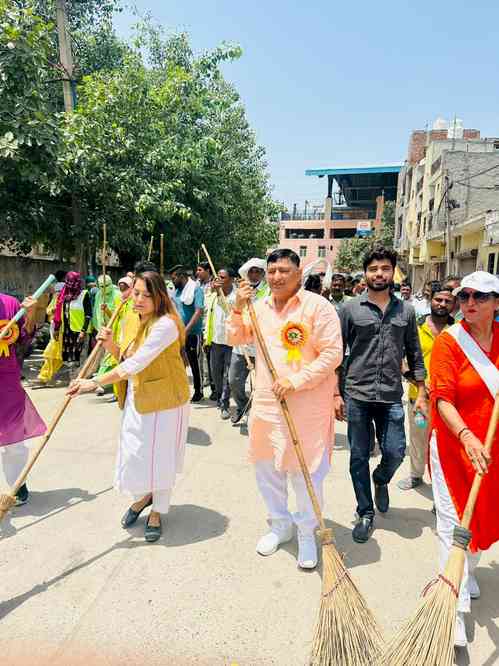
[179, 270]
[60, 276]
[144, 267]
[283, 253]
[406, 283]
[338, 276]
[205, 266]
[313, 283]
[437, 286]
[379, 253]
[230, 272]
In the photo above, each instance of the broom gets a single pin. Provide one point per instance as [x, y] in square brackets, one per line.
[8, 501]
[346, 632]
[225, 306]
[161, 256]
[22, 311]
[104, 256]
[427, 639]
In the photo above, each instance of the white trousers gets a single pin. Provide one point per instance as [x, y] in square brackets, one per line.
[273, 486]
[447, 519]
[160, 500]
[14, 458]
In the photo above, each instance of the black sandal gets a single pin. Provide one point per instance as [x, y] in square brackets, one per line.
[131, 516]
[152, 533]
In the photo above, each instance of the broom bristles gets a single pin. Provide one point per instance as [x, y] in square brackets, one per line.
[6, 503]
[346, 633]
[427, 639]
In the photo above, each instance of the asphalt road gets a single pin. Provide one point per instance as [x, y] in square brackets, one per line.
[77, 588]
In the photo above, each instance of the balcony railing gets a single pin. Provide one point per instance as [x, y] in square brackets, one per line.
[303, 215]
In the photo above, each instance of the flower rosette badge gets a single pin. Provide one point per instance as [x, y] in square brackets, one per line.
[294, 336]
[9, 339]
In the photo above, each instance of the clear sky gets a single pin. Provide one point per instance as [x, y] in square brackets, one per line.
[329, 83]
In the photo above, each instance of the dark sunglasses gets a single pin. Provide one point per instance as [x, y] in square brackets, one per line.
[478, 296]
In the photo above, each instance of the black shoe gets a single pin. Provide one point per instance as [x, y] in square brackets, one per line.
[363, 529]
[22, 495]
[213, 397]
[131, 516]
[224, 414]
[151, 533]
[197, 397]
[381, 497]
[237, 416]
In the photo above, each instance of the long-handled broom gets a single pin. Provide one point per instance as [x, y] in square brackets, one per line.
[427, 639]
[8, 501]
[4, 332]
[346, 633]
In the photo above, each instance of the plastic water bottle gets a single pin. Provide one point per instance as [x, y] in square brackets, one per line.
[420, 420]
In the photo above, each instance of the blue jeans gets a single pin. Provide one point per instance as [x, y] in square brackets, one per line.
[389, 422]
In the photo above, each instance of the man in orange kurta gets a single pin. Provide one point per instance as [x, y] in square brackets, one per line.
[303, 335]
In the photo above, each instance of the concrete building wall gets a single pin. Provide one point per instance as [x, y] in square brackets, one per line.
[421, 138]
[326, 247]
[473, 193]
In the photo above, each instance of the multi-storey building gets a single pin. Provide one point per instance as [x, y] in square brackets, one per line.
[448, 193]
[353, 206]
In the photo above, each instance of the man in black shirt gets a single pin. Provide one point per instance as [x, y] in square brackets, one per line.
[379, 330]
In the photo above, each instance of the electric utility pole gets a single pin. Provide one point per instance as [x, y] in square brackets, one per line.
[67, 66]
[65, 55]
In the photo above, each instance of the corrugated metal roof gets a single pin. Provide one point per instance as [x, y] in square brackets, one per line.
[354, 170]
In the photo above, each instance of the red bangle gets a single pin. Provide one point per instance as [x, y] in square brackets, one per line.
[238, 312]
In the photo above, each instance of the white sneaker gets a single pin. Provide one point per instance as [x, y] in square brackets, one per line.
[460, 639]
[271, 541]
[307, 551]
[473, 587]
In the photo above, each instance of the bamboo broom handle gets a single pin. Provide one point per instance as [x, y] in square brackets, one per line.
[477, 481]
[289, 420]
[220, 292]
[81, 375]
[162, 255]
[103, 259]
[149, 254]
[20, 313]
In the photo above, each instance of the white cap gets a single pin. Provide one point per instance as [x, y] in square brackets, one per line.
[479, 281]
[261, 264]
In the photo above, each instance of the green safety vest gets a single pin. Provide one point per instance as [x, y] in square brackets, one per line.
[77, 313]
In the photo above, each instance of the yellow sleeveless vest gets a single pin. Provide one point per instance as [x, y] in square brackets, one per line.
[163, 384]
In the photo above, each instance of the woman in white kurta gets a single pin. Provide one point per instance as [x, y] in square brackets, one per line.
[152, 440]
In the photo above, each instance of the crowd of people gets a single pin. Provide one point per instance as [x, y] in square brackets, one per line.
[358, 349]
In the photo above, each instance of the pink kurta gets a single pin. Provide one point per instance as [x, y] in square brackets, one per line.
[313, 377]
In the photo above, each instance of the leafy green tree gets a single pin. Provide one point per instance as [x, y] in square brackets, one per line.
[167, 149]
[154, 146]
[29, 135]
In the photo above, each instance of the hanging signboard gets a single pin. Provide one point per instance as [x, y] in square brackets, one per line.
[364, 229]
